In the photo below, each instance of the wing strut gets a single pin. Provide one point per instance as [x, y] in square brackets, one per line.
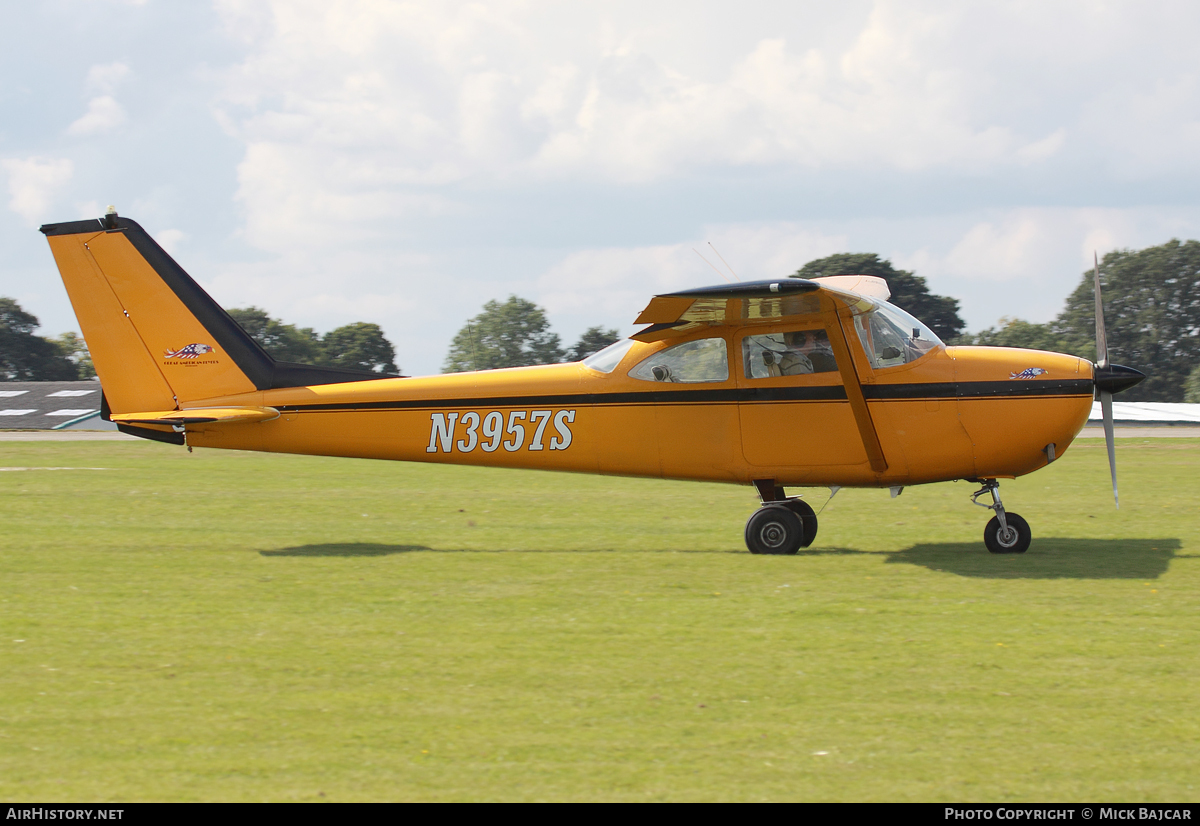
[858, 403]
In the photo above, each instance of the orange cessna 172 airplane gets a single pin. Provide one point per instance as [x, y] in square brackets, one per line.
[773, 383]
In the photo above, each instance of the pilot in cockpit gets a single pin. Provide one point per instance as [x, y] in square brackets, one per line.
[805, 351]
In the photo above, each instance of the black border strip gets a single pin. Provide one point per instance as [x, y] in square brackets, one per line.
[770, 288]
[263, 371]
[73, 227]
[152, 435]
[978, 389]
[741, 395]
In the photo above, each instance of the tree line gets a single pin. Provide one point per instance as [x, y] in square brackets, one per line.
[358, 346]
[1151, 320]
[1151, 305]
[28, 357]
[1151, 314]
[1151, 311]
[516, 333]
[25, 356]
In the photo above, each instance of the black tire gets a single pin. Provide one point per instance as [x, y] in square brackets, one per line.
[807, 518]
[774, 529]
[1016, 543]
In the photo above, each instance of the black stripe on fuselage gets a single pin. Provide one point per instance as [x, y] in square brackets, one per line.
[739, 395]
[978, 389]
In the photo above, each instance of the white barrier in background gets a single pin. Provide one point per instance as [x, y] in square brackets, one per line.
[1147, 412]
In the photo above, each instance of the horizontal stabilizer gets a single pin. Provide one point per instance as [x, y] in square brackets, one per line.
[200, 415]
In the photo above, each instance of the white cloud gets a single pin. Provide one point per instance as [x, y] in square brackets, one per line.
[358, 117]
[103, 114]
[33, 184]
[104, 78]
[1023, 262]
[170, 239]
[356, 102]
[1025, 244]
[362, 107]
[611, 285]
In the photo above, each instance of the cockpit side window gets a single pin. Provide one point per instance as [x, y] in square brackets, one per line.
[789, 353]
[703, 360]
[891, 337]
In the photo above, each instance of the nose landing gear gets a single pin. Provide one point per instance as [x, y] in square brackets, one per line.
[1006, 533]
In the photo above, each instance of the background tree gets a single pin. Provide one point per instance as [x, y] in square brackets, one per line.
[359, 346]
[24, 356]
[1151, 316]
[909, 292]
[593, 340]
[74, 349]
[1016, 332]
[513, 334]
[285, 342]
[1191, 388]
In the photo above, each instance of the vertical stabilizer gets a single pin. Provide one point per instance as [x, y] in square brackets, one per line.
[156, 338]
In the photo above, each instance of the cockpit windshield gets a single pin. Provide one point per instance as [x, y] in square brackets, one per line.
[608, 358]
[891, 336]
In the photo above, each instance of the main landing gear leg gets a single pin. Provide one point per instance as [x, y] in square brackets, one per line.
[1006, 533]
[782, 525]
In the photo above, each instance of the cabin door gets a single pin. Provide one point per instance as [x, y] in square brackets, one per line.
[793, 408]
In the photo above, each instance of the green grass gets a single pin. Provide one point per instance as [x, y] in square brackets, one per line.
[235, 626]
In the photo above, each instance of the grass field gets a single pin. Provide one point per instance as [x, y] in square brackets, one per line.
[235, 626]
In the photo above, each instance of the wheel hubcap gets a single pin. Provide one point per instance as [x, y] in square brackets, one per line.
[1007, 538]
[773, 535]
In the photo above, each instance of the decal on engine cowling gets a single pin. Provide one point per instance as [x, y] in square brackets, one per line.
[1029, 373]
[489, 431]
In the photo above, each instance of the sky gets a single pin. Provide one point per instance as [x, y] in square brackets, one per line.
[404, 162]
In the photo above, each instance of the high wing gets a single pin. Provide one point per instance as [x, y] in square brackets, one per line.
[833, 299]
[674, 314]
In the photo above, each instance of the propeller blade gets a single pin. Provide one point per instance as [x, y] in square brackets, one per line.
[1107, 408]
[1101, 338]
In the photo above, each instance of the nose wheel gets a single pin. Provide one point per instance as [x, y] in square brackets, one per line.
[1006, 533]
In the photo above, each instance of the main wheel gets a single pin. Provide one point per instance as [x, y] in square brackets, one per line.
[1016, 541]
[807, 518]
[774, 529]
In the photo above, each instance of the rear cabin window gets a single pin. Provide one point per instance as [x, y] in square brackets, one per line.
[702, 360]
[790, 353]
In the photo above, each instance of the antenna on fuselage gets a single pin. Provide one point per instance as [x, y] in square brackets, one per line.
[723, 261]
[710, 263]
[474, 351]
